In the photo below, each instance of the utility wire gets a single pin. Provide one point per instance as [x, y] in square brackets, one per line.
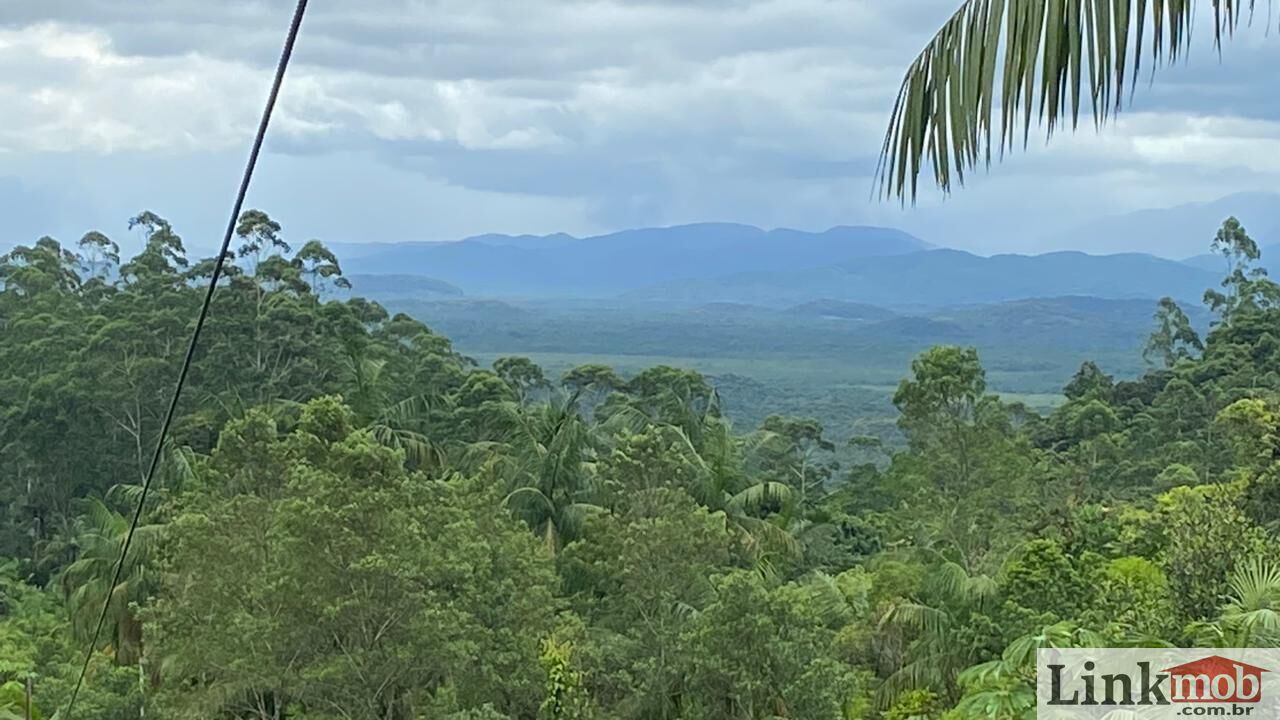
[283, 65]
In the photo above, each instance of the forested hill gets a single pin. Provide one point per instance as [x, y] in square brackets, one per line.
[403, 286]
[354, 521]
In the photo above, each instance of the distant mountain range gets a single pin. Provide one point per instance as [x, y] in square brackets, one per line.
[1215, 263]
[848, 268]
[607, 265]
[1180, 231]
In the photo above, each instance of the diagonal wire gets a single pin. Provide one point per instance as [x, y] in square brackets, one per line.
[283, 65]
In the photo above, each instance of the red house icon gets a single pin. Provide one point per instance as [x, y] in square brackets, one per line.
[1215, 679]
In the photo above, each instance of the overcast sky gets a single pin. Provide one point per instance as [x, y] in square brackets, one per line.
[437, 119]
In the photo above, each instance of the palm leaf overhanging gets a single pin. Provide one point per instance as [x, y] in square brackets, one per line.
[1004, 62]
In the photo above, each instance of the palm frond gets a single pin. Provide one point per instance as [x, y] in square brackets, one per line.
[765, 540]
[573, 517]
[982, 590]
[917, 616]
[985, 673]
[179, 467]
[761, 495]
[530, 499]
[1251, 616]
[625, 418]
[128, 493]
[687, 612]
[1206, 634]
[100, 520]
[829, 600]
[916, 675]
[1004, 62]
[478, 454]
[419, 450]
[1006, 699]
[950, 580]
[1255, 585]
[1020, 654]
[409, 410]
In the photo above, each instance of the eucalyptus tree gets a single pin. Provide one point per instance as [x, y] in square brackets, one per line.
[522, 374]
[1174, 338]
[318, 264]
[100, 255]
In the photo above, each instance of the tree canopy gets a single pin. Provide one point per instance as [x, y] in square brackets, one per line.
[353, 520]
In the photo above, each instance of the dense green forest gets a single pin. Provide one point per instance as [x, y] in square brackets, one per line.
[836, 362]
[353, 520]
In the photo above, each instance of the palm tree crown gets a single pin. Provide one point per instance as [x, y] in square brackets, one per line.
[1001, 62]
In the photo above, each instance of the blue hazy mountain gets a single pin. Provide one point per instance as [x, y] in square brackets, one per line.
[949, 277]
[1182, 231]
[739, 264]
[607, 265]
[1270, 260]
[378, 287]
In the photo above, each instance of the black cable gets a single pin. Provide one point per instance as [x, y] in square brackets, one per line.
[283, 65]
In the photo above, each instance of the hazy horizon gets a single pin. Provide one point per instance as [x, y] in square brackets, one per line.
[1194, 242]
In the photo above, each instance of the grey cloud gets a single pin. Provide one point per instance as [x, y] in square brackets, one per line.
[520, 39]
[593, 115]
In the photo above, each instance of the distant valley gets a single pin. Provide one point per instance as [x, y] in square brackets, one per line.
[843, 358]
[820, 323]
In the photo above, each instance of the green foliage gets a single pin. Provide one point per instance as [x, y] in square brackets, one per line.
[415, 583]
[965, 455]
[353, 520]
[565, 697]
[639, 579]
[1250, 427]
[761, 651]
[14, 704]
[1248, 617]
[521, 374]
[1246, 287]
[1173, 339]
[1044, 580]
[1134, 601]
[37, 646]
[1206, 535]
[915, 705]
